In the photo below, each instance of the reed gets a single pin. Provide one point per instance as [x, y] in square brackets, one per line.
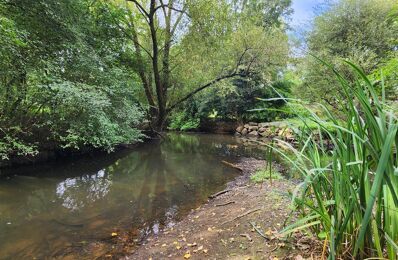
[349, 199]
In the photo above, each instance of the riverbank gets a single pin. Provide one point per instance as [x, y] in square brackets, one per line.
[241, 223]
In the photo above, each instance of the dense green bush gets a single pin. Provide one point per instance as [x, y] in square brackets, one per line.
[68, 86]
[183, 121]
[238, 100]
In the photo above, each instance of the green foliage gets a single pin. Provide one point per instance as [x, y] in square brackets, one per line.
[65, 81]
[349, 194]
[388, 72]
[183, 122]
[238, 100]
[12, 145]
[264, 174]
[361, 31]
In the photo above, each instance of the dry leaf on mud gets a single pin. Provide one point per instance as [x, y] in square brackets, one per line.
[187, 255]
[114, 234]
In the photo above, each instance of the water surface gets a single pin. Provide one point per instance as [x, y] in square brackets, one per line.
[53, 209]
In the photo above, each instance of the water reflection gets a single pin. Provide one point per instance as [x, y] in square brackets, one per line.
[79, 191]
[56, 207]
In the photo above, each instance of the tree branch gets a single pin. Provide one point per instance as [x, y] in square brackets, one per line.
[211, 83]
[140, 7]
[172, 8]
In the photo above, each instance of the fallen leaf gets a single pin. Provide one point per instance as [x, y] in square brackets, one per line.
[114, 234]
[200, 248]
[164, 245]
[205, 251]
[187, 255]
[178, 247]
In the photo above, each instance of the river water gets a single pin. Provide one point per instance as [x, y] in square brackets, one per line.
[53, 210]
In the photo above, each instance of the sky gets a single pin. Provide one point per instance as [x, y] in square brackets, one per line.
[303, 13]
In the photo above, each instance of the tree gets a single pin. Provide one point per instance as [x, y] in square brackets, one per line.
[213, 39]
[360, 31]
[63, 82]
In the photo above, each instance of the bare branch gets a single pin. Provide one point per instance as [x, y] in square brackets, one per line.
[170, 7]
[140, 7]
[178, 20]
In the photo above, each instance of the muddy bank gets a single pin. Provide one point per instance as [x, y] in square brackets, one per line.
[241, 223]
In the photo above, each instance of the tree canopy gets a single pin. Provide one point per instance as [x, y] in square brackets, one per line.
[364, 32]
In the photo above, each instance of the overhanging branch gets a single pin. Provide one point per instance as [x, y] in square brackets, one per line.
[211, 83]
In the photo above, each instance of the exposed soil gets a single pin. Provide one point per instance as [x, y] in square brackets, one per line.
[242, 223]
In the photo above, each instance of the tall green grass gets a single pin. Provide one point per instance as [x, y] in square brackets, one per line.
[351, 199]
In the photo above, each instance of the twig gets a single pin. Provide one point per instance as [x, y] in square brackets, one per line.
[247, 236]
[242, 215]
[258, 230]
[219, 193]
[232, 165]
[224, 204]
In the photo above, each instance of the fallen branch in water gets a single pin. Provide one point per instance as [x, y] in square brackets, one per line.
[224, 204]
[219, 193]
[258, 230]
[242, 215]
[232, 165]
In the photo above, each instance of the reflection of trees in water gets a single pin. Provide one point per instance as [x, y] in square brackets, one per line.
[148, 188]
[217, 145]
[173, 177]
[79, 191]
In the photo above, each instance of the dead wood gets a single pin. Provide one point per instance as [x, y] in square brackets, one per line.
[232, 165]
[242, 215]
[219, 193]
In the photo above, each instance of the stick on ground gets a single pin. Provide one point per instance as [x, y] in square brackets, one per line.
[242, 215]
[224, 204]
[219, 193]
[232, 165]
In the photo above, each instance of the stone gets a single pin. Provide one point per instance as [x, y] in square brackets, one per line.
[244, 131]
[253, 124]
[253, 128]
[262, 129]
[253, 133]
[239, 129]
[246, 126]
[263, 134]
[279, 124]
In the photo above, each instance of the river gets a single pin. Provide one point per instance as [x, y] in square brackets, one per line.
[56, 209]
